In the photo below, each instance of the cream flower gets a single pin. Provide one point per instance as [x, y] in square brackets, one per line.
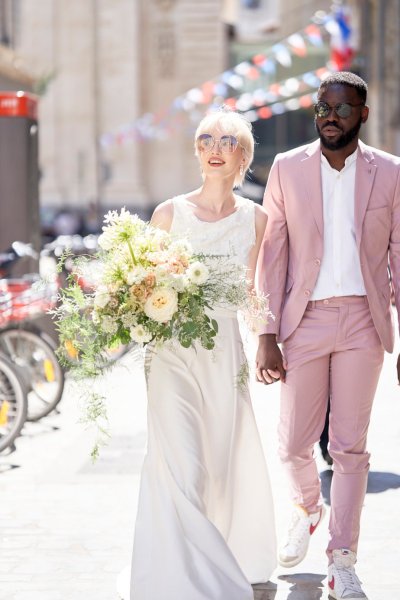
[136, 276]
[162, 273]
[140, 335]
[179, 282]
[161, 304]
[198, 273]
[181, 247]
[105, 240]
[129, 320]
[102, 297]
[109, 325]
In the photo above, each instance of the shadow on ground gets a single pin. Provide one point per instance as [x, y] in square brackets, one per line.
[304, 586]
[378, 482]
[265, 591]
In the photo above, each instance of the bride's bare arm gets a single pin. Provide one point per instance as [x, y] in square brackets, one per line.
[163, 215]
[261, 219]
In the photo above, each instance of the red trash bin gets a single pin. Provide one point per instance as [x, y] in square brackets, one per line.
[19, 171]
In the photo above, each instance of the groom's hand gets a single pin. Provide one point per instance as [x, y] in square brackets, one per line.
[269, 360]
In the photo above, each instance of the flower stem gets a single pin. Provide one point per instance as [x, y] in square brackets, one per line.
[131, 252]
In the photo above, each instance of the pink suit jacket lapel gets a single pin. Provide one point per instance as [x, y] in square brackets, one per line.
[365, 175]
[311, 170]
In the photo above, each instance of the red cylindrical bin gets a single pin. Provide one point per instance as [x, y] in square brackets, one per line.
[18, 104]
[19, 173]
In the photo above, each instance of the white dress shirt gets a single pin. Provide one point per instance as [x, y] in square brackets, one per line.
[340, 272]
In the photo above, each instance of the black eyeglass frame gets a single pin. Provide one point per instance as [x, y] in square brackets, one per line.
[338, 108]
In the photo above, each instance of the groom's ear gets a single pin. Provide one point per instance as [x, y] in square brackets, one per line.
[364, 114]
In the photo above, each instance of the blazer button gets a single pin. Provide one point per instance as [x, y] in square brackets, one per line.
[307, 293]
[317, 262]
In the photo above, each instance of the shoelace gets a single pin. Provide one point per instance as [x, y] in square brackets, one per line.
[349, 579]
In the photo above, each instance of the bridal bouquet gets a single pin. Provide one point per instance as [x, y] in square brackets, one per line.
[147, 286]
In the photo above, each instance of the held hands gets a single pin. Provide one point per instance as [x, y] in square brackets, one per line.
[270, 365]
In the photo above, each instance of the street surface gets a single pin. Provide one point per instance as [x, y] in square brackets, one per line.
[66, 525]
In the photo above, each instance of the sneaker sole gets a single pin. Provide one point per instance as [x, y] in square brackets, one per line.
[332, 596]
[288, 564]
[291, 563]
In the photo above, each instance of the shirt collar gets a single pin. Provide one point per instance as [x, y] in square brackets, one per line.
[349, 160]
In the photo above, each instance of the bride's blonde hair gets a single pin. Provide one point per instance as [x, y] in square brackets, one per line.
[232, 123]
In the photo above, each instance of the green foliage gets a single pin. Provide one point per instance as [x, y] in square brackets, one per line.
[147, 287]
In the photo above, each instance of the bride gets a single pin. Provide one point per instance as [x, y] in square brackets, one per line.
[205, 523]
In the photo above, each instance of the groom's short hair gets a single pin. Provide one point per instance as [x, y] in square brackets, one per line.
[346, 78]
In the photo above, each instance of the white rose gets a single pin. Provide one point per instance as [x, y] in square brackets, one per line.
[161, 304]
[198, 273]
[140, 335]
[102, 297]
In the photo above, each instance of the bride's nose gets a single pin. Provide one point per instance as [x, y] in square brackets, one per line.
[217, 147]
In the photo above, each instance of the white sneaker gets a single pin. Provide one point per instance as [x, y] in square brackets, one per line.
[301, 529]
[343, 583]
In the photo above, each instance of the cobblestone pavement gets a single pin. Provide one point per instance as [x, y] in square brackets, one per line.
[66, 526]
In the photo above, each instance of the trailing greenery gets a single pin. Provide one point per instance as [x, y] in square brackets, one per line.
[143, 286]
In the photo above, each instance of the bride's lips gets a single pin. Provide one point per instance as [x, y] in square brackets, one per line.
[215, 161]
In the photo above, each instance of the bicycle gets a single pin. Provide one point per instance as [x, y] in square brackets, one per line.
[31, 350]
[13, 397]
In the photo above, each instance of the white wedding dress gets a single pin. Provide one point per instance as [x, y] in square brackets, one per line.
[205, 524]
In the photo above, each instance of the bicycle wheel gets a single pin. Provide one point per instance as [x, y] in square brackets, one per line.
[37, 365]
[13, 403]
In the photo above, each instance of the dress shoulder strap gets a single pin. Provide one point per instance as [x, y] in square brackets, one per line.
[181, 217]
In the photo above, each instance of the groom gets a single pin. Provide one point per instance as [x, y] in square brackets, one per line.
[333, 223]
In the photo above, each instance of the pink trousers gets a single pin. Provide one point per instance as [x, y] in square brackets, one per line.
[334, 351]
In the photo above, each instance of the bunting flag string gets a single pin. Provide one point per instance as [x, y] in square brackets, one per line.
[278, 92]
[250, 86]
[266, 112]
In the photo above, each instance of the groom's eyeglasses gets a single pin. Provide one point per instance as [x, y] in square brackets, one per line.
[343, 110]
[227, 143]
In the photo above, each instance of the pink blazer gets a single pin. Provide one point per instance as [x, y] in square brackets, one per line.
[291, 253]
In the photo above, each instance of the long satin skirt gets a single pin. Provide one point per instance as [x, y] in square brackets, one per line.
[205, 525]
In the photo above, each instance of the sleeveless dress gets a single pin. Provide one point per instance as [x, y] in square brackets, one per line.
[205, 524]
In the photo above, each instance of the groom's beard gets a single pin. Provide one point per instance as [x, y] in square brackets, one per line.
[343, 140]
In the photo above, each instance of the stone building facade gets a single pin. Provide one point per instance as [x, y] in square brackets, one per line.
[100, 65]
[106, 63]
[14, 70]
